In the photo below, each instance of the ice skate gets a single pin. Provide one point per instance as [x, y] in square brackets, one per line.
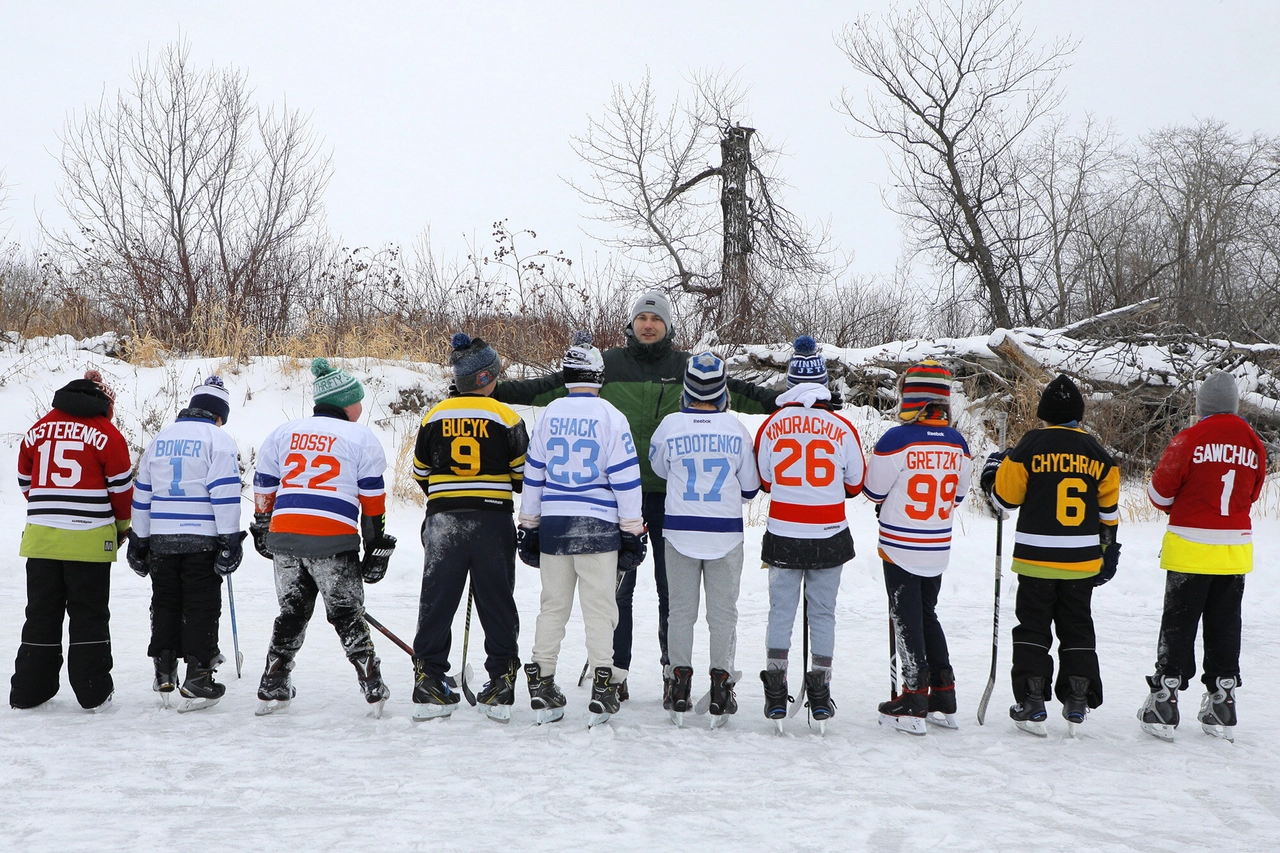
[499, 694]
[942, 700]
[775, 695]
[105, 707]
[1159, 713]
[200, 690]
[166, 680]
[907, 712]
[1030, 714]
[432, 697]
[1218, 710]
[604, 697]
[369, 674]
[1076, 706]
[681, 683]
[819, 701]
[544, 695]
[275, 690]
[723, 701]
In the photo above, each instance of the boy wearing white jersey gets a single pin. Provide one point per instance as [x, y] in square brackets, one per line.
[580, 524]
[186, 535]
[810, 461]
[916, 476]
[706, 456]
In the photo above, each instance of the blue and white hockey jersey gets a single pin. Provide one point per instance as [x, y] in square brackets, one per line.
[188, 482]
[918, 473]
[708, 461]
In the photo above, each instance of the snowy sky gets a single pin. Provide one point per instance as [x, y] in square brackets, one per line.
[452, 115]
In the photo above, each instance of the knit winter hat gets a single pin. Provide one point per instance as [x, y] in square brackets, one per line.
[333, 386]
[96, 378]
[806, 365]
[656, 302]
[1217, 394]
[475, 363]
[924, 384]
[213, 397]
[83, 398]
[1061, 402]
[583, 365]
[706, 381]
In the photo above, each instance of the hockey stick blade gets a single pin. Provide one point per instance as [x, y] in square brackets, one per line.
[586, 667]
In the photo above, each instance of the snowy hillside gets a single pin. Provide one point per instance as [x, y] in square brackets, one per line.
[325, 775]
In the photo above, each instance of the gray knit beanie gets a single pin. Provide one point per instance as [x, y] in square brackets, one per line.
[1217, 394]
[475, 363]
[656, 302]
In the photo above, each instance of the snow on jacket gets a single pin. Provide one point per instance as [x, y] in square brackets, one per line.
[1208, 479]
[918, 473]
[188, 482]
[710, 468]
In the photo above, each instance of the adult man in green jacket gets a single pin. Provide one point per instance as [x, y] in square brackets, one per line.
[644, 380]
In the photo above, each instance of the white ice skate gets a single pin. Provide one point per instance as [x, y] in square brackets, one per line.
[549, 715]
[905, 723]
[1039, 729]
[497, 713]
[197, 703]
[267, 707]
[942, 721]
[597, 720]
[431, 711]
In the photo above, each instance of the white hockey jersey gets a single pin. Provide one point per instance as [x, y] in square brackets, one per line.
[709, 464]
[918, 473]
[188, 482]
[810, 461]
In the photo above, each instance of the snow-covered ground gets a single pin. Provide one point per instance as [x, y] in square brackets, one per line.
[326, 775]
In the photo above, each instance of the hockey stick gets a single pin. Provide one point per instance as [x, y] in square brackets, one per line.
[1002, 418]
[804, 662]
[235, 634]
[893, 661]
[466, 636]
[382, 629]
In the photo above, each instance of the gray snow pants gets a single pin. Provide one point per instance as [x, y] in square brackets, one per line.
[821, 587]
[338, 581]
[721, 578]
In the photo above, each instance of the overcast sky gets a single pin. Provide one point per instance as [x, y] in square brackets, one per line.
[452, 115]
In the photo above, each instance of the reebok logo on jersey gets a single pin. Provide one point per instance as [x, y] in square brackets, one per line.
[310, 441]
[1232, 454]
[464, 428]
[585, 427]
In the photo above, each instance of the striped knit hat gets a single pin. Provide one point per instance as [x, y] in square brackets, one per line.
[705, 381]
[213, 397]
[806, 365]
[475, 363]
[333, 386]
[583, 365]
[924, 384]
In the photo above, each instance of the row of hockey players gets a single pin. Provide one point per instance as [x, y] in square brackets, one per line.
[614, 455]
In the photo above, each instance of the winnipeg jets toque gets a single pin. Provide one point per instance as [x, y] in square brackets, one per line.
[806, 365]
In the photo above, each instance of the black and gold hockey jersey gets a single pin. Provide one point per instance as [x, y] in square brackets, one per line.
[1068, 488]
[470, 454]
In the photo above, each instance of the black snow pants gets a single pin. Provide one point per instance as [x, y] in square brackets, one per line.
[186, 603]
[912, 607]
[481, 543]
[654, 511]
[1065, 605]
[82, 592]
[338, 581]
[1188, 599]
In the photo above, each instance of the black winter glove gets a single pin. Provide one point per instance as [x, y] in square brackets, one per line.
[261, 524]
[1110, 562]
[230, 553]
[631, 553]
[139, 551]
[837, 399]
[377, 556]
[527, 546]
[988, 479]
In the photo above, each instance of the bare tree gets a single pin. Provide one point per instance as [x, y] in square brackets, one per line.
[185, 194]
[955, 85]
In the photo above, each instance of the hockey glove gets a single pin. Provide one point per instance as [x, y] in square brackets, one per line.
[527, 546]
[989, 468]
[230, 553]
[261, 524]
[1110, 562]
[377, 556]
[631, 553]
[139, 551]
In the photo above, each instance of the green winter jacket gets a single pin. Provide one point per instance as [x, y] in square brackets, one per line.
[645, 382]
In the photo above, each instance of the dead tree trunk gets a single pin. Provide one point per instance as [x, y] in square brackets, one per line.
[735, 160]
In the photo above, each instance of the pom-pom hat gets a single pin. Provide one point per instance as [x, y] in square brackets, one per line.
[475, 363]
[806, 365]
[583, 365]
[1061, 402]
[924, 384]
[334, 386]
[213, 397]
[706, 381]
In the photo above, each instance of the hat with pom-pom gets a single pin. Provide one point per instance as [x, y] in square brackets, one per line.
[96, 378]
[334, 386]
[807, 365]
[213, 397]
[583, 365]
[87, 397]
[475, 363]
[705, 381]
[1061, 402]
[925, 384]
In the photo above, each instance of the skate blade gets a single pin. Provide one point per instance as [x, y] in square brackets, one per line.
[822, 727]
[1160, 730]
[497, 713]
[719, 721]
[597, 720]
[703, 705]
[910, 725]
[431, 711]
[197, 704]
[270, 706]
[549, 715]
[1038, 729]
[165, 704]
[677, 717]
[1224, 732]
[376, 708]
[943, 721]
[780, 727]
[1072, 729]
[797, 702]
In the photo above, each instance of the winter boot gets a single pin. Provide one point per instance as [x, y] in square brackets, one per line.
[775, 695]
[818, 697]
[369, 674]
[907, 712]
[275, 690]
[942, 698]
[1030, 714]
[166, 680]
[1159, 713]
[199, 689]
[604, 697]
[723, 700]
[681, 684]
[544, 696]
[1218, 709]
[432, 695]
[1076, 705]
[499, 694]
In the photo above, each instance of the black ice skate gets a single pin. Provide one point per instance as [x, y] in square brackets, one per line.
[166, 680]
[723, 700]
[544, 696]
[200, 690]
[942, 700]
[275, 690]
[499, 694]
[1218, 710]
[1030, 714]
[1159, 713]
[432, 695]
[818, 697]
[906, 712]
[680, 685]
[369, 674]
[775, 695]
[1076, 706]
[604, 697]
